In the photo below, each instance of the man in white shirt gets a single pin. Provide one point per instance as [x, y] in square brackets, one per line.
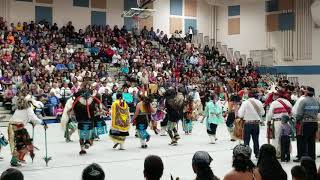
[278, 108]
[251, 111]
[50, 67]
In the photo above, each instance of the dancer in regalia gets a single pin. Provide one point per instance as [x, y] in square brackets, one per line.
[142, 118]
[189, 116]
[120, 124]
[175, 104]
[68, 120]
[85, 107]
[20, 141]
[213, 116]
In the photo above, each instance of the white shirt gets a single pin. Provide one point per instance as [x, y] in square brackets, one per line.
[25, 116]
[296, 105]
[195, 95]
[277, 110]
[50, 68]
[247, 111]
[56, 92]
[65, 92]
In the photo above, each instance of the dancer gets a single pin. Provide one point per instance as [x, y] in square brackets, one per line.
[213, 115]
[68, 121]
[161, 112]
[189, 116]
[231, 115]
[85, 107]
[142, 118]
[175, 104]
[120, 124]
[20, 141]
[3, 142]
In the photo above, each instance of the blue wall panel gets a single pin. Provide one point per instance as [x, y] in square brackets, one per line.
[286, 21]
[43, 13]
[129, 23]
[98, 18]
[128, 4]
[272, 5]
[188, 23]
[81, 3]
[234, 10]
[292, 70]
[176, 7]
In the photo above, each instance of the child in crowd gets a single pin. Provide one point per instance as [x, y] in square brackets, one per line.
[58, 111]
[285, 134]
[52, 103]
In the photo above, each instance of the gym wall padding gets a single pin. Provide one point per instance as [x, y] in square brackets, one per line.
[234, 26]
[272, 22]
[98, 18]
[99, 4]
[286, 5]
[43, 13]
[176, 7]
[190, 8]
[234, 10]
[188, 23]
[45, 1]
[81, 3]
[175, 24]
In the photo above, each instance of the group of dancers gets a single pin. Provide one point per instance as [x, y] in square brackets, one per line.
[86, 113]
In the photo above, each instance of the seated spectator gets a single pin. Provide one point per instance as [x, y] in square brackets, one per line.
[268, 165]
[244, 168]
[93, 172]
[201, 166]
[153, 168]
[310, 166]
[298, 173]
[12, 174]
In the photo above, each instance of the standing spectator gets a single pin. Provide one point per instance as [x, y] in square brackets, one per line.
[307, 114]
[190, 34]
[251, 111]
[153, 168]
[93, 172]
[268, 165]
[244, 168]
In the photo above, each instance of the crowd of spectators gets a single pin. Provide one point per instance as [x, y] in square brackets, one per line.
[242, 167]
[50, 62]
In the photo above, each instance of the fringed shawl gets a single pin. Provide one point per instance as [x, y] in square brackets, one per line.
[120, 116]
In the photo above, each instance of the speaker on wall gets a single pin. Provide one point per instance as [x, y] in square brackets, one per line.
[315, 11]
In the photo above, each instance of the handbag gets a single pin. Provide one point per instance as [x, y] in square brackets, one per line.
[238, 129]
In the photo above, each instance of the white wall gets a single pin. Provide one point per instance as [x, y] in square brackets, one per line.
[203, 18]
[21, 11]
[252, 27]
[64, 11]
[114, 11]
[161, 18]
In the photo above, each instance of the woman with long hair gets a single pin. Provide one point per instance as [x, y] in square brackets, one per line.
[142, 118]
[268, 165]
[213, 116]
[120, 123]
[201, 166]
[244, 168]
[20, 141]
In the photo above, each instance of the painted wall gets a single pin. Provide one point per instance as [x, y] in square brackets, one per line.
[252, 27]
